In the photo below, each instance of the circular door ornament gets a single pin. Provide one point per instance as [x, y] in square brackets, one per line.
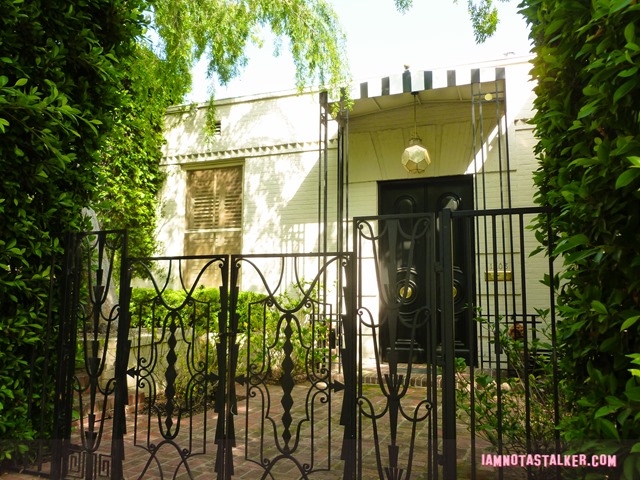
[406, 285]
[450, 201]
[459, 293]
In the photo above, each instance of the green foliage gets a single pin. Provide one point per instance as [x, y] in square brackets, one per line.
[260, 335]
[221, 29]
[149, 311]
[515, 413]
[484, 18]
[59, 80]
[403, 5]
[129, 169]
[263, 322]
[483, 15]
[588, 126]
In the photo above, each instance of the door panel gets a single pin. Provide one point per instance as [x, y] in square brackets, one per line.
[426, 195]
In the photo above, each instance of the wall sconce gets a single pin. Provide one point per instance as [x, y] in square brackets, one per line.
[415, 158]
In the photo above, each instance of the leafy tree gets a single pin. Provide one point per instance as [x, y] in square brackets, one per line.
[221, 29]
[483, 15]
[588, 125]
[82, 97]
[129, 167]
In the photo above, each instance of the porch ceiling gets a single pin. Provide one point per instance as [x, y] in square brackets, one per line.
[381, 121]
[369, 106]
[396, 111]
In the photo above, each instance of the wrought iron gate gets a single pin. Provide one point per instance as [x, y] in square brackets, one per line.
[202, 384]
[267, 366]
[405, 414]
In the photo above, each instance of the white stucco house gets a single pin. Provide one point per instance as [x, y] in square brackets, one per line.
[285, 173]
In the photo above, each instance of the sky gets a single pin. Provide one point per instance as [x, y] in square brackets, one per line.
[380, 41]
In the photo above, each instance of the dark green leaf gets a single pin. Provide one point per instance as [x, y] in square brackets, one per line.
[624, 89]
[606, 410]
[608, 428]
[571, 243]
[629, 322]
[633, 394]
[627, 177]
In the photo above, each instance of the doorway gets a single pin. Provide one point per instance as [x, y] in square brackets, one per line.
[432, 195]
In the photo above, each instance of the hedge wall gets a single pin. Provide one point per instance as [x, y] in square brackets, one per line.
[588, 125]
[59, 83]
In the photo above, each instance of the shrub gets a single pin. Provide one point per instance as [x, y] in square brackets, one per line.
[59, 84]
[518, 414]
[587, 123]
[259, 338]
[149, 311]
[262, 343]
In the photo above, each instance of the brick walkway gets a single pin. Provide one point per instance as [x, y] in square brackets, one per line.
[314, 444]
[314, 441]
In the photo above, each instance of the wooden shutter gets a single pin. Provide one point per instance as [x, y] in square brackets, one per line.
[215, 199]
[214, 217]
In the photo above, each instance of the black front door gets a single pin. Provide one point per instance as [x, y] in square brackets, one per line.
[426, 195]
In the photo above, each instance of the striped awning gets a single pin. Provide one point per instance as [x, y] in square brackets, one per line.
[444, 85]
[417, 81]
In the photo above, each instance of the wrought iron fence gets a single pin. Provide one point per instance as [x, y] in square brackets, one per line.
[411, 361]
[508, 401]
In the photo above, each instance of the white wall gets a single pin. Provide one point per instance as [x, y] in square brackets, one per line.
[276, 140]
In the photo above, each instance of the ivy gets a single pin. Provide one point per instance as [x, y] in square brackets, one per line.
[129, 173]
[588, 127]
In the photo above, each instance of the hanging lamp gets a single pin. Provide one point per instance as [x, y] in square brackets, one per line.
[415, 158]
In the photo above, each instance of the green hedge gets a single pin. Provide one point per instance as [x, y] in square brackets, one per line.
[148, 312]
[588, 125]
[59, 83]
[257, 319]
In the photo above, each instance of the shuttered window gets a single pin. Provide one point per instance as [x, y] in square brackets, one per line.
[215, 199]
[214, 214]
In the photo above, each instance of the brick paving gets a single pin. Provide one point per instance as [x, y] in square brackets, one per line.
[314, 445]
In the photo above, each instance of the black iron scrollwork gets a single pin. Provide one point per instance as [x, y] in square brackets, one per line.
[402, 329]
